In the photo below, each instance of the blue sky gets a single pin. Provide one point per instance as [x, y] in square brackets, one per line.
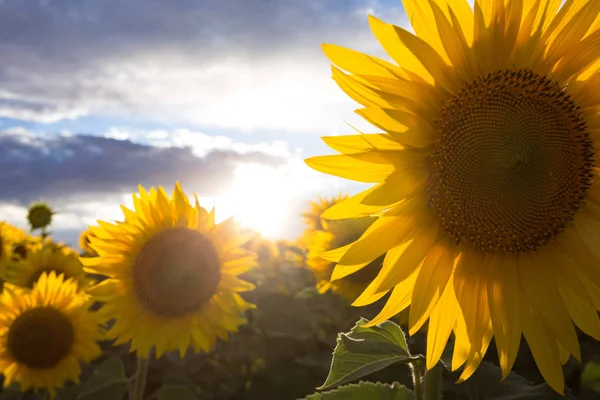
[228, 97]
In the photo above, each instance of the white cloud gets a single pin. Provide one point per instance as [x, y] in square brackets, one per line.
[200, 143]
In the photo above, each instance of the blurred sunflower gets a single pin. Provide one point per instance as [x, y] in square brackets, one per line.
[45, 333]
[267, 252]
[84, 243]
[40, 215]
[10, 237]
[485, 175]
[27, 272]
[172, 274]
[340, 233]
[312, 217]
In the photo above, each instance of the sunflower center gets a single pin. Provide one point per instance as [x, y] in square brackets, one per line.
[41, 337]
[512, 162]
[176, 272]
[21, 251]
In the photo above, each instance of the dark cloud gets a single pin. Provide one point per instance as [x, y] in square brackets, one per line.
[114, 57]
[201, 24]
[76, 167]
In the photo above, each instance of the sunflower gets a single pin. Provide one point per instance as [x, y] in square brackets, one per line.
[312, 217]
[10, 237]
[45, 333]
[267, 252]
[340, 233]
[484, 175]
[84, 243]
[172, 274]
[26, 272]
[39, 215]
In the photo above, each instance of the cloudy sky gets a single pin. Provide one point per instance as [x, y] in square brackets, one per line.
[228, 97]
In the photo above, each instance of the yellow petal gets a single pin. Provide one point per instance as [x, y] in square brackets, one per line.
[359, 143]
[462, 346]
[432, 280]
[504, 301]
[352, 207]
[470, 286]
[442, 320]
[540, 289]
[421, 17]
[398, 301]
[388, 231]
[402, 260]
[581, 55]
[406, 128]
[398, 185]
[544, 349]
[476, 355]
[350, 168]
[453, 40]
[359, 63]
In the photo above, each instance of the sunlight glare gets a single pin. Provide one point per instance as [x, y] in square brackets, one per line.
[259, 199]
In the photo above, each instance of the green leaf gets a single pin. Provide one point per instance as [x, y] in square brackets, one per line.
[107, 382]
[363, 351]
[366, 390]
[176, 392]
[590, 377]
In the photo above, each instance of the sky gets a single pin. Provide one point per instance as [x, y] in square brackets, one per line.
[228, 97]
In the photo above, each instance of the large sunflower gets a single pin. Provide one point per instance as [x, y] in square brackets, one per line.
[172, 274]
[27, 271]
[45, 333]
[485, 175]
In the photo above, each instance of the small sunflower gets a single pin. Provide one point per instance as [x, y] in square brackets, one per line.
[172, 274]
[337, 234]
[45, 333]
[39, 215]
[10, 237]
[84, 243]
[26, 272]
[485, 175]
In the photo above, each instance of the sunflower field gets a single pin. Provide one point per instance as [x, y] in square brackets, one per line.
[482, 222]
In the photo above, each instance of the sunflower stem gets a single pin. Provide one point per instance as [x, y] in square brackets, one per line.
[418, 370]
[140, 377]
[433, 383]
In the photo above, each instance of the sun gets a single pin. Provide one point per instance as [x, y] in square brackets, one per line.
[259, 198]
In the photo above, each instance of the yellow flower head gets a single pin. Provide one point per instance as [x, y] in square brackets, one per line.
[46, 333]
[26, 272]
[485, 175]
[39, 215]
[339, 233]
[172, 274]
[10, 237]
